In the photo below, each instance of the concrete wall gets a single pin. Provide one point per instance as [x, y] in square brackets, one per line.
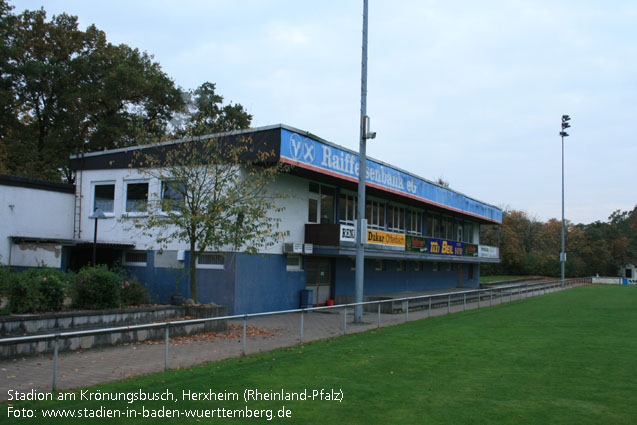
[36, 213]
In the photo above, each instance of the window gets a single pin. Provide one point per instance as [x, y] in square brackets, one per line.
[347, 208]
[210, 260]
[312, 210]
[396, 218]
[104, 197]
[414, 222]
[136, 197]
[327, 205]
[172, 195]
[433, 229]
[468, 232]
[435, 267]
[470, 271]
[400, 266]
[135, 258]
[447, 229]
[375, 213]
[459, 231]
[320, 204]
[293, 263]
[417, 266]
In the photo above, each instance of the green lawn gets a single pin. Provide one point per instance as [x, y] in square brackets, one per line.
[564, 358]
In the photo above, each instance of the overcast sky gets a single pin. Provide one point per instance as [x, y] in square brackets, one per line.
[472, 92]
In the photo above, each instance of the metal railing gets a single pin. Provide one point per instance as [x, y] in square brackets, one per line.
[426, 303]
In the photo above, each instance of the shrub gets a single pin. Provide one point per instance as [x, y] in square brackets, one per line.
[38, 290]
[132, 293]
[5, 279]
[96, 287]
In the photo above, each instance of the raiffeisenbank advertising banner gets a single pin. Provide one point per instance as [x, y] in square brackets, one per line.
[305, 152]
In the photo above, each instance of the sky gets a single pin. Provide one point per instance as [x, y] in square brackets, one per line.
[471, 92]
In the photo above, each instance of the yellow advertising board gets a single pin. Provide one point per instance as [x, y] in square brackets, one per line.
[385, 238]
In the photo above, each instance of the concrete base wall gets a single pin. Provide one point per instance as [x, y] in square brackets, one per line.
[67, 322]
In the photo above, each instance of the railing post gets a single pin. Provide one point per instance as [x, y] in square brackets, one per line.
[479, 296]
[301, 334]
[55, 362]
[379, 315]
[429, 314]
[490, 298]
[166, 343]
[245, 331]
[344, 320]
[464, 302]
[449, 305]
[407, 311]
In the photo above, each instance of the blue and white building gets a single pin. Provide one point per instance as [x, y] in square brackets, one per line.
[420, 236]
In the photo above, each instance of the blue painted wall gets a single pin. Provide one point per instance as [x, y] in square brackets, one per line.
[263, 284]
[258, 283]
[389, 280]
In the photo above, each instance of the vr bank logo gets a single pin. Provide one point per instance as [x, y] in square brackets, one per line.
[301, 149]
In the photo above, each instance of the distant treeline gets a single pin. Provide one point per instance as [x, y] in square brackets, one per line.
[531, 247]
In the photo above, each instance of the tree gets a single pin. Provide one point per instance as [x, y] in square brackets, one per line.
[70, 91]
[205, 113]
[215, 196]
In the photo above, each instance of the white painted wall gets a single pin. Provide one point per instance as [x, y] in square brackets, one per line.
[119, 228]
[34, 213]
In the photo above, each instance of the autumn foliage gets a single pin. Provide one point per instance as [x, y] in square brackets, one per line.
[531, 247]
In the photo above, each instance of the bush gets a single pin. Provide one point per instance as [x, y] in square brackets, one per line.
[96, 288]
[132, 293]
[5, 279]
[37, 290]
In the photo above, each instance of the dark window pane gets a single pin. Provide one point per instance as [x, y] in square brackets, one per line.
[104, 197]
[136, 197]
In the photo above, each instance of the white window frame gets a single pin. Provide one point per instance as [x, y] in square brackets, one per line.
[374, 217]
[294, 267]
[416, 217]
[162, 184]
[134, 263]
[211, 266]
[398, 218]
[348, 220]
[125, 208]
[104, 183]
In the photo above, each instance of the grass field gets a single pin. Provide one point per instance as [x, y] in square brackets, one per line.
[563, 358]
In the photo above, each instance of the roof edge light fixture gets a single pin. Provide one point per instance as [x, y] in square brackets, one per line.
[365, 134]
[563, 134]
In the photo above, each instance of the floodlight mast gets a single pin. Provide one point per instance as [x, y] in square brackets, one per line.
[360, 217]
[563, 134]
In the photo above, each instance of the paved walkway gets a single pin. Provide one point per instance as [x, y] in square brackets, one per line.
[76, 369]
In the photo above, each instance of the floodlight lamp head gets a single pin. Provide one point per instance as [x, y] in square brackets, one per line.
[566, 118]
[565, 125]
[563, 134]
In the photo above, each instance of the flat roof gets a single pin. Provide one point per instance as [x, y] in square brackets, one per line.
[316, 155]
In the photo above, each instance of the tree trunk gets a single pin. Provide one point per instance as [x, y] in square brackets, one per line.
[193, 273]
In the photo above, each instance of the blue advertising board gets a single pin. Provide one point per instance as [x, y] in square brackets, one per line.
[329, 159]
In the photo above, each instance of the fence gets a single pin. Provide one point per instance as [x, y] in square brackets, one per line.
[311, 324]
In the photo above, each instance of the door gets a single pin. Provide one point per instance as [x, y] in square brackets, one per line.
[319, 279]
[459, 275]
